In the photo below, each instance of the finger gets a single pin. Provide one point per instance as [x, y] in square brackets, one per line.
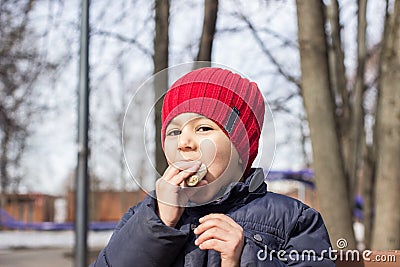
[169, 173]
[217, 219]
[214, 233]
[214, 244]
[211, 223]
[179, 179]
[170, 194]
[218, 230]
[186, 168]
[228, 250]
[164, 187]
[219, 216]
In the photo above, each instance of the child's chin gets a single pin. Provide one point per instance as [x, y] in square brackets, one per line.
[202, 197]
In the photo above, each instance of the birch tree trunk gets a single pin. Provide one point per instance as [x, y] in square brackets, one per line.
[329, 172]
[386, 233]
[160, 59]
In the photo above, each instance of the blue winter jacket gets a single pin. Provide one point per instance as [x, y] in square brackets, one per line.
[279, 231]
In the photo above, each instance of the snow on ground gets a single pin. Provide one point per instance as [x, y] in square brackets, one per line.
[41, 239]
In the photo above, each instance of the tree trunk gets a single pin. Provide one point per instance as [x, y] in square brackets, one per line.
[207, 36]
[160, 60]
[386, 234]
[339, 85]
[368, 183]
[4, 177]
[4, 162]
[357, 115]
[338, 75]
[329, 172]
[20, 66]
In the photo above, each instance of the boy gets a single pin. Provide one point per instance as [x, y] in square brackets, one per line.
[214, 117]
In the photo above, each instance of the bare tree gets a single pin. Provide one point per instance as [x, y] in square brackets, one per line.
[207, 35]
[266, 39]
[350, 90]
[359, 156]
[357, 115]
[386, 230]
[349, 113]
[338, 79]
[127, 28]
[20, 66]
[329, 171]
[160, 59]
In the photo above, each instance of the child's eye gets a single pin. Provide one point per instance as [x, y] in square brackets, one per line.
[204, 128]
[174, 132]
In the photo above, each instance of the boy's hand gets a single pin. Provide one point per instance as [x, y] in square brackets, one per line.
[171, 196]
[221, 233]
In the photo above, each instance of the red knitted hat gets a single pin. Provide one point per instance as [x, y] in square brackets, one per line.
[233, 102]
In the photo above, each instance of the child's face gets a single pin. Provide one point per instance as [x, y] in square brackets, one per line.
[192, 137]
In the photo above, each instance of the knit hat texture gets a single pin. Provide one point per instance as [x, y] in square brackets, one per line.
[231, 101]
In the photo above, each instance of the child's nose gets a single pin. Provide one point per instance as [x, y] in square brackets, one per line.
[186, 141]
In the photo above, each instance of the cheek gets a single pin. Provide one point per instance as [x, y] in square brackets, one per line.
[216, 154]
[225, 155]
[170, 150]
[208, 151]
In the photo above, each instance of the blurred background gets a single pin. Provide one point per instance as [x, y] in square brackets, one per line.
[329, 70]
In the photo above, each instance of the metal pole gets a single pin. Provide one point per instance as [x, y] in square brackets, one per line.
[82, 179]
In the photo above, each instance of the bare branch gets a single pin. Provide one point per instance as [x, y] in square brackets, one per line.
[125, 39]
[268, 53]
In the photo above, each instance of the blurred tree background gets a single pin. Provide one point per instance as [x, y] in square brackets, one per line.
[328, 69]
[21, 65]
